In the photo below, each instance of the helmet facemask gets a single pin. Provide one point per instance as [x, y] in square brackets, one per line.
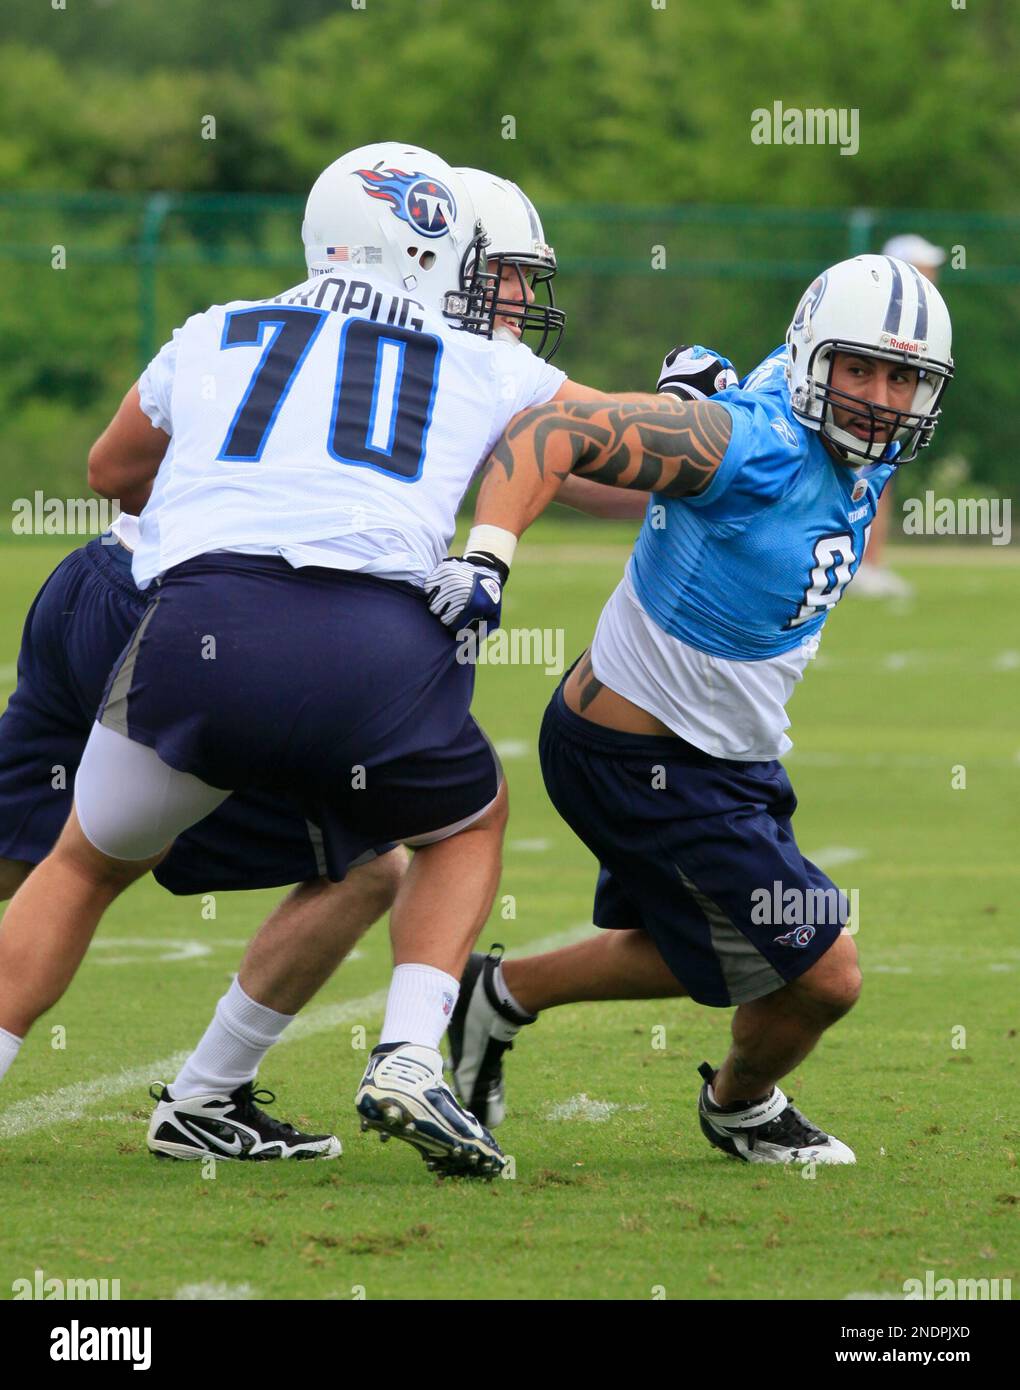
[482, 274]
[910, 429]
[880, 310]
[467, 308]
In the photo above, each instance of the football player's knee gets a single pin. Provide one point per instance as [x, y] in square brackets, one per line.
[834, 991]
[844, 992]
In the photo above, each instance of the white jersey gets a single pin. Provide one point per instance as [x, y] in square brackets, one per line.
[339, 424]
[125, 527]
[728, 709]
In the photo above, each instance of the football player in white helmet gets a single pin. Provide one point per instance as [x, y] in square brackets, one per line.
[674, 720]
[430, 243]
[868, 358]
[414, 225]
[519, 264]
[875, 579]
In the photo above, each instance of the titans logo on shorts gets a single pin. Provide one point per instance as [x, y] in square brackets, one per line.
[77, 627]
[696, 851]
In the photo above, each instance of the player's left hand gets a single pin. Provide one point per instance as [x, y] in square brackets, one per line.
[695, 373]
[468, 592]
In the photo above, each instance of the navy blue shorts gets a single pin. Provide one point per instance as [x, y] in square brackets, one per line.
[79, 624]
[340, 689]
[697, 851]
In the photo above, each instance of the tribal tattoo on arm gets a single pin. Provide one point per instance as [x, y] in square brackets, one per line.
[652, 443]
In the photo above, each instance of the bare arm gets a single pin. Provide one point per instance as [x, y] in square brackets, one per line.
[643, 442]
[595, 499]
[126, 457]
[576, 391]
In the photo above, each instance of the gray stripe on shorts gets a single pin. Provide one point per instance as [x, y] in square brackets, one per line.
[748, 975]
[115, 711]
[500, 774]
[318, 846]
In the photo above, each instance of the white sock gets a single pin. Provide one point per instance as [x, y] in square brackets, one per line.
[504, 996]
[419, 1006]
[9, 1045]
[231, 1048]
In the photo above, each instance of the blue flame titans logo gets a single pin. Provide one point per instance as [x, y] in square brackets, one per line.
[423, 203]
[810, 301]
[800, 936]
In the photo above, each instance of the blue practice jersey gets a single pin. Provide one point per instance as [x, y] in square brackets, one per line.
[753, 565]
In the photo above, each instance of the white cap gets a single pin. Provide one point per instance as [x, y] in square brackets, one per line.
[914, 249]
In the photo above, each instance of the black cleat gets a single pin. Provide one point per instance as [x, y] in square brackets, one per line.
[770, 1130]
[229, 1126]
[481, 1030]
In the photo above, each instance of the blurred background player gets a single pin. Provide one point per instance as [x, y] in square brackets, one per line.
[874, 578]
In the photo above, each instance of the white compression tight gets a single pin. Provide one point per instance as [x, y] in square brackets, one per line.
[130, 804]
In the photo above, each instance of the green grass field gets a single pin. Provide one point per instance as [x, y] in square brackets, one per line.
[624, 1200]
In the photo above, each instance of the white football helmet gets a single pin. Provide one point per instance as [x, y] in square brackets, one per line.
[514, 238]
[402, 209]
[879, 307]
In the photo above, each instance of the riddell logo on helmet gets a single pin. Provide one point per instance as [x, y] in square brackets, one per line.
[903, 344]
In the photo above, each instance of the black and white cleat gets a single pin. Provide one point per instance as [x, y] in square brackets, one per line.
[403, 1096]
[770, 1130]
[482, 1029]
[230, 1127]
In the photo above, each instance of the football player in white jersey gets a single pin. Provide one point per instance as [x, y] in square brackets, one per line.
[407, 399]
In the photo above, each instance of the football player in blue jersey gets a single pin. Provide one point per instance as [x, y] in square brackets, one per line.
[661, 747]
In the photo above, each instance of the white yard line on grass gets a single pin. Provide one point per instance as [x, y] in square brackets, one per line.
[71, 1103]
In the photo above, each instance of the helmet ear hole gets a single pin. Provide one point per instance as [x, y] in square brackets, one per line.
[427, 260]
[412, 251]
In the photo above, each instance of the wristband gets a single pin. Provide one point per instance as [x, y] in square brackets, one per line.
[492, 540]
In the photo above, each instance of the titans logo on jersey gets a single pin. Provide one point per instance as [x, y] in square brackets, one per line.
[423, 203]
[754, 565]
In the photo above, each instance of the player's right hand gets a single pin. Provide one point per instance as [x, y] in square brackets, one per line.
[695, 373]
[468, 592]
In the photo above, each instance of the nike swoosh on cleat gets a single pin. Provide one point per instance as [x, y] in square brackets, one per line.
[236, 1145]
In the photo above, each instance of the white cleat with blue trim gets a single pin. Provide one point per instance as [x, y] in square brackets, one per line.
[403, 1096]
